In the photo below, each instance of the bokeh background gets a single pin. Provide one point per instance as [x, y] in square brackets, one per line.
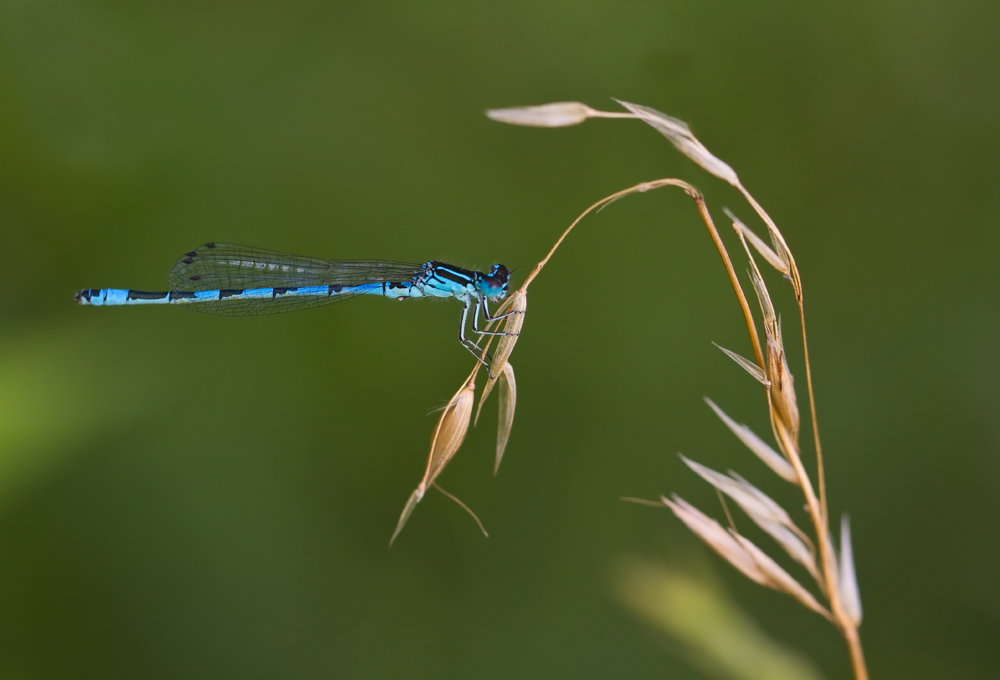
[184, 496]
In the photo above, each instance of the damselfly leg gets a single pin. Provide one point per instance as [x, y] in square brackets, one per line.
[484, 308]
[468, 344]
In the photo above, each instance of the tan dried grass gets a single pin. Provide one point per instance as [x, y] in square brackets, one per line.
[834, 577]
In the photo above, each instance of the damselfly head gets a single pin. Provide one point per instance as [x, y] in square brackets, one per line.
[494, 284]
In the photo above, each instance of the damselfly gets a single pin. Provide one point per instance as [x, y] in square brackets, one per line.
[230, 280]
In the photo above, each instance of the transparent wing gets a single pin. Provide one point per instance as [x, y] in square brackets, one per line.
[224, 266]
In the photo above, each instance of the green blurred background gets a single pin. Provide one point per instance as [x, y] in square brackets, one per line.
[184, 496]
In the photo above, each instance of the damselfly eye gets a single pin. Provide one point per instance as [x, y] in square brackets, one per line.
[495, 283]
[500, 274]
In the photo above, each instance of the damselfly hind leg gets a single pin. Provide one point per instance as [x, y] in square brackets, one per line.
[468, 344]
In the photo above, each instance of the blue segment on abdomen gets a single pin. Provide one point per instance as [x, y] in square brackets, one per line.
[118, 296]
[311, 290]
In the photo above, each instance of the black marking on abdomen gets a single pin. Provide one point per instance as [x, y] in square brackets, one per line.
[281, 291]
[181, 295]
[143, 295]
[334, 289]
[229, 293]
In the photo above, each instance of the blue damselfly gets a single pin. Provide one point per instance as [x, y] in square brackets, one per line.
[230, 280]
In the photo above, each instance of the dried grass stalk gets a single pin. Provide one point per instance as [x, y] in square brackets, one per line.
[836, 580]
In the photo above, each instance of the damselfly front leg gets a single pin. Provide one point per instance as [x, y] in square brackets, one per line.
[482, 306]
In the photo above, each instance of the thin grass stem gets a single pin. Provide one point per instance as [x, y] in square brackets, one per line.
[709, 224]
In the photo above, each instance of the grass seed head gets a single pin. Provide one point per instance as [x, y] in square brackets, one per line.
[780, 382]
[448, 437]
[559, 114]
[782, 387]
[680, 135]
[451, 431]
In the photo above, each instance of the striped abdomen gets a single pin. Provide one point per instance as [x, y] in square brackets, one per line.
[101, 297]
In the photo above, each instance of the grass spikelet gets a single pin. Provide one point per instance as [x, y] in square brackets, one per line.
[765, 513]
[779, 579]
[750, 367]
[759, 447]
[448, 437]
[558, 114]
[451, 431]
[717, 538]
[753, 501]
[742, 553]
[508, 401]
[779, 262]
[680, 135]
[847, 581]
[784, 405]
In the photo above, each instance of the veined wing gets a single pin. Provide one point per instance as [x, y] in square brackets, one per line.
[229, 267]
